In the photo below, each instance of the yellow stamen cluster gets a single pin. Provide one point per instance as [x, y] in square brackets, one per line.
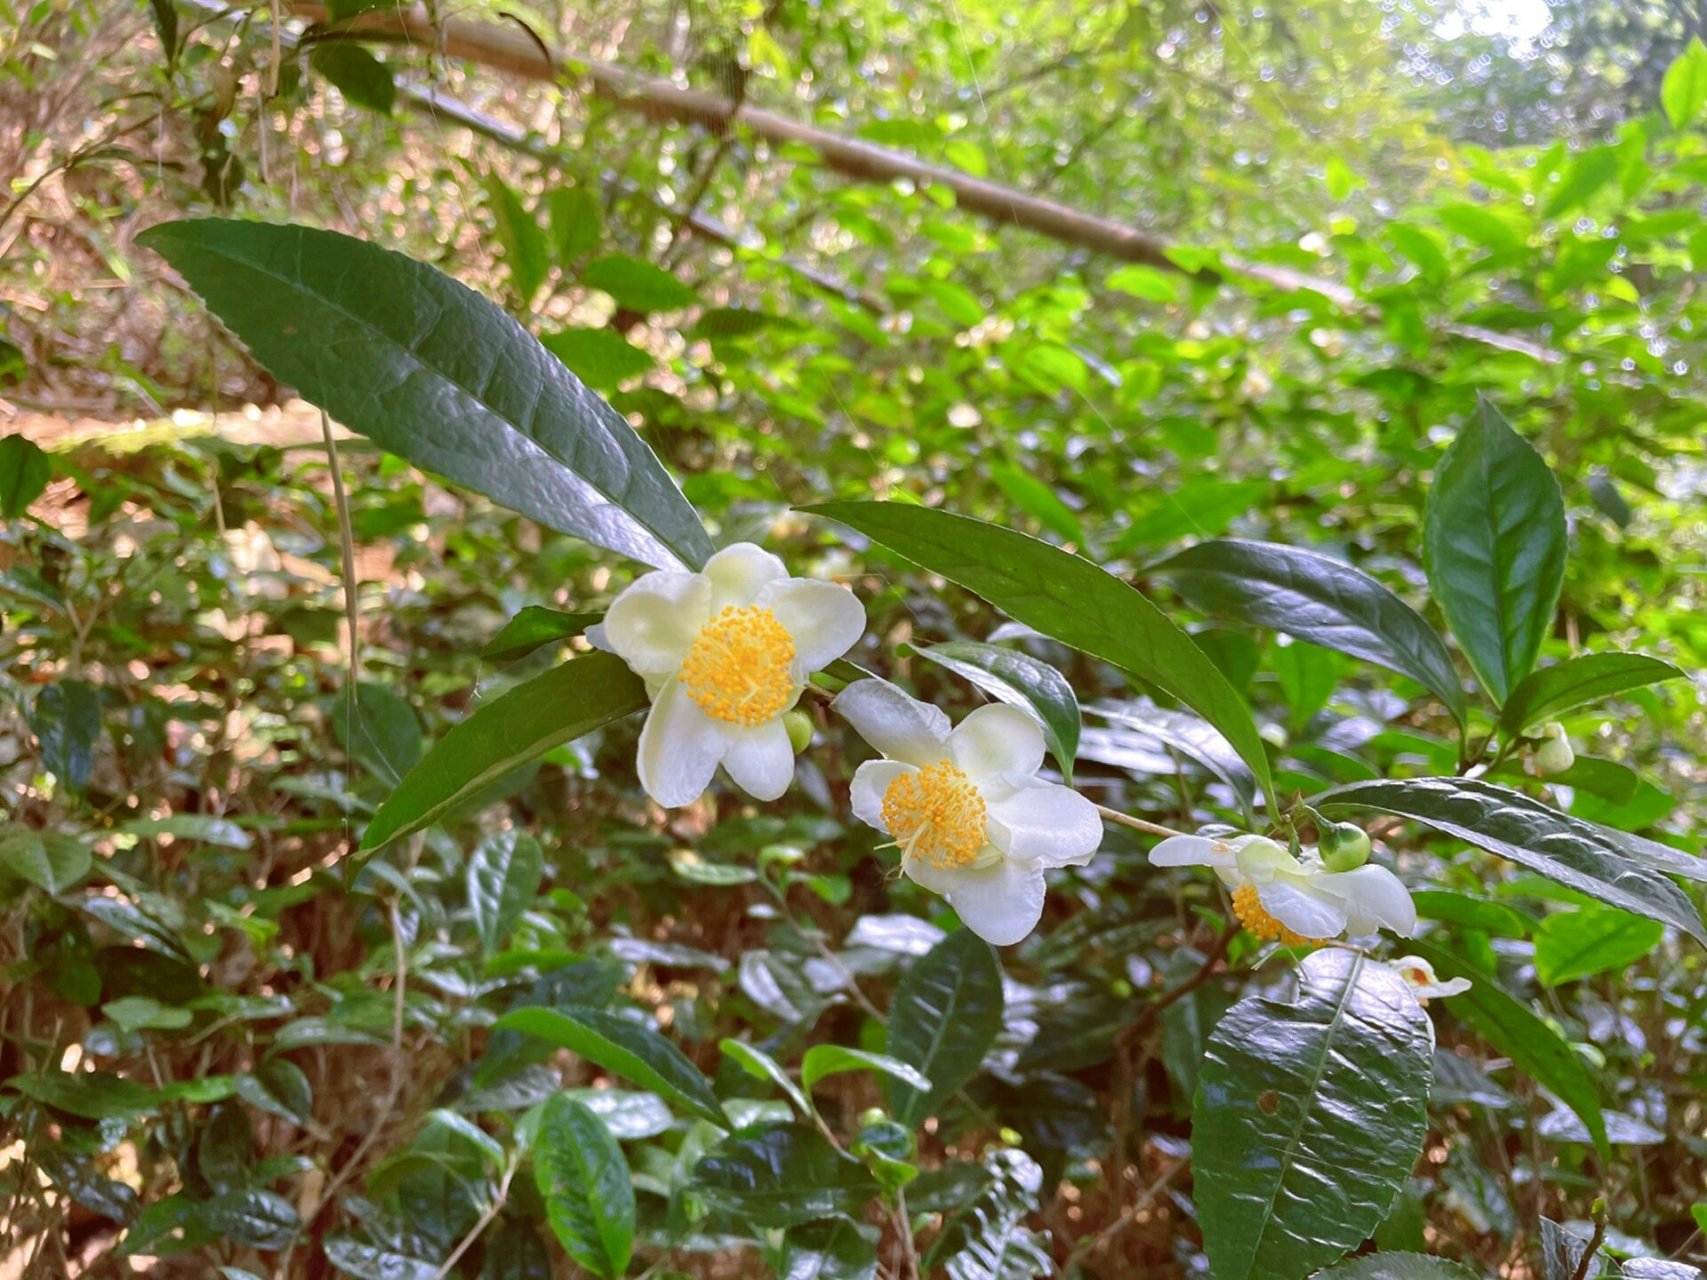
[936, 814]
[739, 668]
[1256, 919]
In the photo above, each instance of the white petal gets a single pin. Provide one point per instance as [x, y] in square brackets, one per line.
[1374, 897]
[1001, 903]
[1261, 860]
[738, 572]
[1419, 974]
[1452, 987]
[1194, 851]
[900, 727]
[997, 739]
[1046, 823]
[1296, 904]
[652, 624]
[680, 748]
[870, 783]
[595, 635]
[825, 620]
[760, 759]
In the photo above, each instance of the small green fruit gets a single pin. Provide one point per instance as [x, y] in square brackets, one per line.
[1345, 846]
[1554, 755]
[800, 730]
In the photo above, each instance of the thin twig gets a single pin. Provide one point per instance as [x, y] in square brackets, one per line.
[1137, 824]
[485, 1220]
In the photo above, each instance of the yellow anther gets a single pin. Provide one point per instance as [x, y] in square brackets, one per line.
[1247, 905]
[740, 667]
[936, 814]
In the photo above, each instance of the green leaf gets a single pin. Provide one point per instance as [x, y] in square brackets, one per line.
[165, 15]
[1149, 283]
[1578, 944]
[503, 878]
[93, 1095]
[761, 1066]
[1493, 918]
[1683, 92]
[254, 1217]
[1513, 1029]
[435, 373]
[987, 1239]
[279, 1087]
[359, 76]
[526, 254]
[50, 861]
[527, 721]
[1397, 1266]
[628, 1115]
[371, 1262]
[1545, 694]
[637, 285]
[834, 1249]
[201, 828]
[24, 473]
[1067, 597]
[67, 721]
[1579, 855]
[1494, 546]
[1019, 680]
[1584, 176]
[1314, 597]
[378, 728]
[1039, 501]
[601, 358]
[631, 1050]
[946, 1015]
[833, 1059]
[577, 223]
[144, 1013]
[1309, 1116]
[533, 628]
[782, 1175]
[588, 1193]
[1481, 225]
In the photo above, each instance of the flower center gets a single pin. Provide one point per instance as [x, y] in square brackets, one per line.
[936, 814]
[1256, 919]
[739, 667]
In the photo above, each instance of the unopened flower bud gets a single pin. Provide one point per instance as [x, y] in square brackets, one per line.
[1554, 756]
[1345, 846]
[799, 726]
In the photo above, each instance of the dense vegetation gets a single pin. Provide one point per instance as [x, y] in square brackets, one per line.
[1278, 426]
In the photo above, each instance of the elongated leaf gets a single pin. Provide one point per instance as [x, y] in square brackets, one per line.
[585, 1183]
[1309, 1117]
[833, 1059]
[1578, 944]
[1397, 1266]
[1512, 1028]
[946, 1015]
[1494, 546]
[1314, 597]
[47, 859]
[1546, 693]
[1067, 597]
[255, 1217]
[1190, 735]
[24, 473]
[433, 372]
[1019, 680]
[1580, 855]
[279, 1087]
[761, 1066]
[782, 1175]
[532, 628]
[370, 1262]
[67, 721]
[503, 877]
[985, 1240]
[834, 1249]
[527, 721]
[1683, 92]
[630, 1050]
[526, 253]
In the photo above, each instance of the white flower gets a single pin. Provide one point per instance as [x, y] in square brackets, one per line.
[965, 807]
[1424, 983]
[725, 653]
[1297, 901]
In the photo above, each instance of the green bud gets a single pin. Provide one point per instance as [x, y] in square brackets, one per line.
[871, 1116]
[1345, 846]
[1554, 755]
[799, 726]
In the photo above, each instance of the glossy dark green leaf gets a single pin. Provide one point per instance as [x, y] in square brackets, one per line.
[513, 728]
[782, 1175]
[372, 1262]
[279, 1087]
[165, 15]
[1562, 1255]
[359, 76]
[601, 358]
[47, 859]
[1590, 940]
[946, 1015]
[1019, 680]
[534, 627]
[1397, 1266]
[577, 223]
[1494, 546]
[515, 1252]
[1551, 691]
[526, 254]
[79, 1177]
[1141, 724]
[1578, 854]
[761, 1066]
[435, 373]
[585, 1183]
[1461, 909]
[637, 285]
[503, 879]
[24, 473]
[1512, 1028]
[379, 729]
[823, 1060]
[1316, 598]
[987, 1239]
[67, 721]
[1309, 1115]
[628, 1115]
[635, 1052]
[833, 1249]
[1064, 596]
[255, 1217]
